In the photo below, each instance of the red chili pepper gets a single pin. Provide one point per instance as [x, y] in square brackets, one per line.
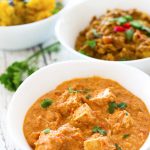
[127, 25]
[119, 29]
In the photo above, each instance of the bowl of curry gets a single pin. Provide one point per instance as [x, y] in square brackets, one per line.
[108, 31]
[81, 105]
[26, 23]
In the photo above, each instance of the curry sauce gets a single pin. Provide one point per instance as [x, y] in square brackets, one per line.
[87, 114]
[117, 35]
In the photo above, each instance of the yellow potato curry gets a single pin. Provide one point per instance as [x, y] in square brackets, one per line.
[18, 12]
[87, 114]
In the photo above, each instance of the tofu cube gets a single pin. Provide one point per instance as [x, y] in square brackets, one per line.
[103, 97]
[121, 119]
[83, 115]
[98, 142]
[70, 104]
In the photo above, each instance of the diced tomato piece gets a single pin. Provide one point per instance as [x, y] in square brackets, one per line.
[127, 25]
[119, 29]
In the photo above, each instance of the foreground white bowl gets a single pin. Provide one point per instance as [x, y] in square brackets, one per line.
[28, 35]
[77, 17]
[49, 77]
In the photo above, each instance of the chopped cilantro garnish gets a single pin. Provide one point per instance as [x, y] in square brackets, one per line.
[58, 7]
[121, 20]
[129, 34]
[122, 105]
[125, 136]
[128, 17]
[91, 43]
[96, 34]
[136, 24]
[46, 131]
[147, 29]
[84, 53]
[46, 103]
[97, 129]
[118, 147]
[88, 96]
[111, 107]
[71, 90]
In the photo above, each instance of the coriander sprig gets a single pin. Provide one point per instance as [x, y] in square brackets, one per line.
[98, 129]
[18, 71]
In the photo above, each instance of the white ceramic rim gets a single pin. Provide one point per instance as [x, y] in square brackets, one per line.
[16, 142]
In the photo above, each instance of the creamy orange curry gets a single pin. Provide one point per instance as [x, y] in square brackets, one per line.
[87, 114]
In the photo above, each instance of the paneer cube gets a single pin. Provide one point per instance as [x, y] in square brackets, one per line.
[98, 142]
[71, 102]
[121, 119]
[103, 97]
[83, 115]
[66, 137]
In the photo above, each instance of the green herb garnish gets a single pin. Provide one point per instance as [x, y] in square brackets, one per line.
[84, 53]
[97, 129]
[17, 72]
[88, 96]
[111, 107]
[129, 34]
[71, 90]
[91, 43]
[122, 105]
[128, 17]
[147, 29]
[58, 7]
[118, 147]
[46, 131]
[46, 103]
[136, 24]
[96, 34]
[121, 20]
[125, 136]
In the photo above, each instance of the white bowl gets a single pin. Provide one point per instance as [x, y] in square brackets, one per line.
[28, 35]
[77, 17]
[49, 77]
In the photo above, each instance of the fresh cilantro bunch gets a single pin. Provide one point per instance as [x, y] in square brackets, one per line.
[17, 72]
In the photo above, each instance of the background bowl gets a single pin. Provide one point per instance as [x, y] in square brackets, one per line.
[77, 17]
[49, 77]
[28, 35]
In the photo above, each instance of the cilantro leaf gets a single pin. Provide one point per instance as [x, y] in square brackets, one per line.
[97, 129]
[118, 147]
[111, 107]
[91, 43]
[46, 131]
[46, 103]
[125, 136]
[18, 71]
[58, 7]
[122, 105]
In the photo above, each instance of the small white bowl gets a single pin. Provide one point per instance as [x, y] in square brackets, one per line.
[77, 17]
[28, 35]
[49, 77]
